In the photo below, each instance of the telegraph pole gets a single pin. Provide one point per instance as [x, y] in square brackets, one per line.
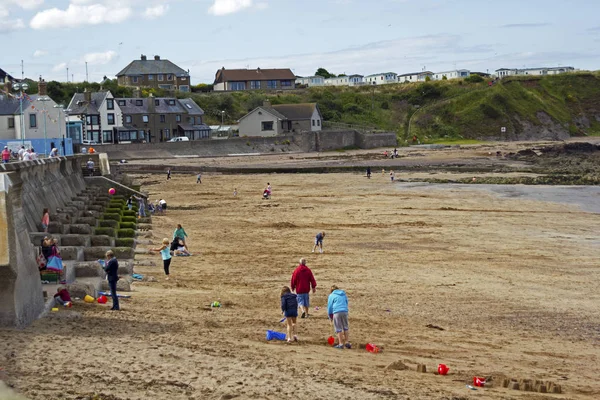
[86, 72]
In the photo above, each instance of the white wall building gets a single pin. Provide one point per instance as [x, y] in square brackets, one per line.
[40, 118]
[454, 74]
[310, 81]
[504, 72]
[415, 76]
[381, 79]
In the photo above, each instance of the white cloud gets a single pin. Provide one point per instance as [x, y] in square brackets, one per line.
[40, 53]
[24, 4]
[156, 11]
[59, 67]
[98, 58]
[224, 7]
[81, 12]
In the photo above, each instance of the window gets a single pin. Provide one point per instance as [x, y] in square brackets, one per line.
[191, 120]
[271, 84]
[314, 123]
[134, 79]
[11, 122]
[237, 86]
[150, 77]
[128, 119]
[178, 118]
[183, 78]
[145, 118]
[171, 102]
[163, 118]
[166, 87]
[161, 77]
[286, 83]
[157, 102]
[139, 103]
[318, 122]
[198, 120]
[169, 77]
[254, 84]
[121, 102]
[110, 104]
[188, 106]
[110, 118]
[267, 126]
[106, 136]
[184, 88]
[92, 120]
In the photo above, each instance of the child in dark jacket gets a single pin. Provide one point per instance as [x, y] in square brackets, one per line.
[289, 306]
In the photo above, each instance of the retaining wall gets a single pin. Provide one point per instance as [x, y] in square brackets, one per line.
[26, 188]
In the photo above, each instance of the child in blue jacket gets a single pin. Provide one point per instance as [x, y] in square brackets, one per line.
[337, 309]
[289, 307]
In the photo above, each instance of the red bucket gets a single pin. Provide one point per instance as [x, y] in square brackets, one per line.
[331, 340]
[443, 369]
[478, 381]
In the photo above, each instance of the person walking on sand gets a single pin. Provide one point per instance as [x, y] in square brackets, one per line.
[319, 242]
[181, 234]
[169, 174]
[165, 252]
[337, 311]
[368, 172]
[234, 192]
[392, 176]
[163, 205]
[199, 178]
[112, 272]
[289, 307]
[45, 220]
[302, 282]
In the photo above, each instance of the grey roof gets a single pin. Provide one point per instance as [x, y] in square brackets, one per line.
[145, 67]
[8, 105]
[79, 106]
[188, 127]
[166, 105]
[191, 106]
[296, 112]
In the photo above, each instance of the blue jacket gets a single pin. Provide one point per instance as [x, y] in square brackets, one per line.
[337, 302]
[112, 269]
[289, 303]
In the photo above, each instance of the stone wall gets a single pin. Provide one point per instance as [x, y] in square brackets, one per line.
[26, 188]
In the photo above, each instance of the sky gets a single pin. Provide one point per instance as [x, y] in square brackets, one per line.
[343, 36]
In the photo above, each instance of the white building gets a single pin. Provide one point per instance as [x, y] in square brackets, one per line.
[381, 79]
[346, 80]
[273, 120]
[310, 81]
[415, 76]
[504, 72]
[454, 74]
[100, 113]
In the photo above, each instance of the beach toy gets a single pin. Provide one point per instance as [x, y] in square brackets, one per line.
[112, 191]
[68, 304]
[443, 369]
[102, 299]
[478, 381]
[371, 348]
[272, 335]
[54, 309]
[88, 299]
[471, 387]
[317, 308]
[215, 304]
[282, 319]
[331, 340]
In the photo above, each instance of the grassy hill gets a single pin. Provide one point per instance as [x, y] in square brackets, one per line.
[550, 107]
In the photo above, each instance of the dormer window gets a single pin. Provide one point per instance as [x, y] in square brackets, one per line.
[157, 102]
[139, 103]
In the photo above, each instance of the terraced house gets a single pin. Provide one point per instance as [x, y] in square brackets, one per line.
[156, 73]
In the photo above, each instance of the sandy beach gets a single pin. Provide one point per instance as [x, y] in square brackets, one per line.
[511, 281]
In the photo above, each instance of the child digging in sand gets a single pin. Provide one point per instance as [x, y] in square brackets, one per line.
[289, 307]
[337, 310]
[165, 252]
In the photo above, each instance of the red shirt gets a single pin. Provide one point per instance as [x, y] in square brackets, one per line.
[64, 295]
[6, 154]
[302, 280]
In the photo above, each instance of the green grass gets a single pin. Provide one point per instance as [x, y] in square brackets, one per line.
[454, 141]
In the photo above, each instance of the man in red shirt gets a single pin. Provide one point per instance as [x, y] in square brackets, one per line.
[302, 282]
[5, 155]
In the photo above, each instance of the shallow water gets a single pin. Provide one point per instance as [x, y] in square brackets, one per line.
[587, 198]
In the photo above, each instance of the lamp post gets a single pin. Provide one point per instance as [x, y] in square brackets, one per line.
[60, 109]
[222, 117]
[45, 112]
[21, 87]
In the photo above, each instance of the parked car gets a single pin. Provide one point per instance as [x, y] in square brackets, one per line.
[180, 139]
[89, 142]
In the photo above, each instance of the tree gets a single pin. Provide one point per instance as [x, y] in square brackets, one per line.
[324, 73]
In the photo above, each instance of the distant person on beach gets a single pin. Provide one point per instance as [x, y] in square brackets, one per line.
[141, 206]
[180, 234]
[385, 154]
[395, 153]
[165, 253]
[169, 174]
[289, 307]
[369, 172]
[319, 242]
[392, 176]
[90, 167]
[337, 311]
[62, 297]
[130, 203]
[53, 153]
[163, 205]
[27, 155]
[302, 282]
[199, 178]
[112, 272]
[5, 155]
[21, 153]
[181, 250]
[234, 192]
[45, 219]
[269, 188]
[266, 194]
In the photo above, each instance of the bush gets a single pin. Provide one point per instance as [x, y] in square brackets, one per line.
[427, 78]
[124, 242]
[127, 225]
[113, 216]
[118, 197]
[127, 213]
[474, 79]
[125, 233]
[489, 111]
[109, 223]
[129, 219]
[105, 231]
[113, 210]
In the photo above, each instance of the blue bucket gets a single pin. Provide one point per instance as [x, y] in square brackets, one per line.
[272, 335]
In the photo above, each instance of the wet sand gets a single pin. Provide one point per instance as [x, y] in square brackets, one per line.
[511, 280]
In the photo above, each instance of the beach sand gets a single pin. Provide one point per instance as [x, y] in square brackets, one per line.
[512, 282]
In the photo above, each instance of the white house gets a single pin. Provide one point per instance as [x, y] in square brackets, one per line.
[356, 80]
[415, 76]
[100, 113]
[310, 81]
[273, 120]
[504, 72]
[454, 74]
[381, 79]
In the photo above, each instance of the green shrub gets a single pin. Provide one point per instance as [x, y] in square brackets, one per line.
[116, 217]
[113, 210]
[118, 197]
[128, 213]
[474, 79]
[124, 242]
[109, 223]
[129, 219]
[127, 225]
[125, 233]
[489, 111]
[105, 231]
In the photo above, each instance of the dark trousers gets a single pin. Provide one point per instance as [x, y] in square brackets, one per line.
[113, 294]
[166, 264]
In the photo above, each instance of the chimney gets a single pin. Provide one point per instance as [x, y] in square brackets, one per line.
[258, 70]
[143, 57]
[157, 58]
[8, 86]
[151, 104]
[267, 103]
[87, 95]
[42, 87]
